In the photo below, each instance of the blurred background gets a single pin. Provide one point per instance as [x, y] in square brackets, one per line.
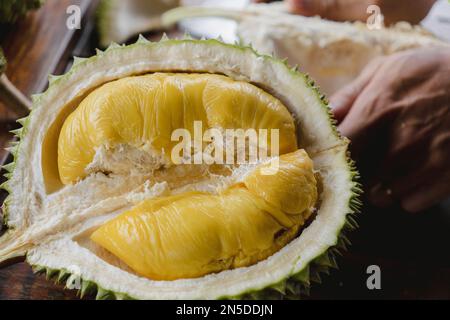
[411, 250]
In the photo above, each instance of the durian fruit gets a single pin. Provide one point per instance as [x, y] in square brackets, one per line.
[332, 53]
[95, 196]
[11, 10]
[119, 20]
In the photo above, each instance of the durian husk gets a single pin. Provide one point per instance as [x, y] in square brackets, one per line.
[331, 156]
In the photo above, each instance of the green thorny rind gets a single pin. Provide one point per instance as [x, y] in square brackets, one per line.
[84, 287]
[8, 169]
[11, 10]
[295, 285]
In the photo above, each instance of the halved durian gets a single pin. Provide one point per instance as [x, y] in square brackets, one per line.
[93, 193]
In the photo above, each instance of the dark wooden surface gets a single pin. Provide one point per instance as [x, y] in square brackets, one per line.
[411, 250]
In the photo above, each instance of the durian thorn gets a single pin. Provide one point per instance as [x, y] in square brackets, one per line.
[78, 60]
[187, 36]
[164, 37]
[142, 39]
[112, 45]
[22, 121]
[13, 98]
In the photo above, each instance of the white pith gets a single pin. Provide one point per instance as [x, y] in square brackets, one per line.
[41, 218]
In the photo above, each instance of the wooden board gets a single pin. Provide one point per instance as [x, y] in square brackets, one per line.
[411, 250]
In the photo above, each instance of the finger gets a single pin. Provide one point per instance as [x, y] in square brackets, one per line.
[427, 195]
[342, 101]
[338, 10]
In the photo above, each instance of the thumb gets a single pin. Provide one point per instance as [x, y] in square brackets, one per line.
[342, 101]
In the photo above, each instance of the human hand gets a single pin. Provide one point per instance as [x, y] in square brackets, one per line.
[397, 115]
[353, 10]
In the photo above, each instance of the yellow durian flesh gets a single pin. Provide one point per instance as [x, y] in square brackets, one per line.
[193, 234]
[290, 192]
[145, 110]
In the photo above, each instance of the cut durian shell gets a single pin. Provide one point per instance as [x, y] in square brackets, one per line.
[52, 227]
[332, 53]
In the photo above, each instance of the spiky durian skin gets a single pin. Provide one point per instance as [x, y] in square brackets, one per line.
[11, 10]
[293, 285]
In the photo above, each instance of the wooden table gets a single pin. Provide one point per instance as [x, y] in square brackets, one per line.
[411, 250]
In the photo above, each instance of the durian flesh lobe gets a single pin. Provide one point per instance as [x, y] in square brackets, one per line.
[193, 234]
[55, 228]
[148, 109]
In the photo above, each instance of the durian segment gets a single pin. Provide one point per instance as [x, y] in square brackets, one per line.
[144, 111]
[193, 234]
[292, 188]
